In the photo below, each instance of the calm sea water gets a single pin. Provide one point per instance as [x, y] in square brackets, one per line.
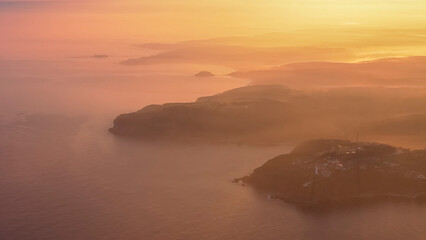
[63, 176]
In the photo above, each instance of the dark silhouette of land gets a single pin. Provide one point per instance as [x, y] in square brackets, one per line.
[331, 171]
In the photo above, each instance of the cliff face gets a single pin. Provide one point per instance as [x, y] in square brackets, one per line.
[322, 171]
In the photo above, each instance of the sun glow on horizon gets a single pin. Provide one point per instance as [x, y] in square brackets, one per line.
[375, 25]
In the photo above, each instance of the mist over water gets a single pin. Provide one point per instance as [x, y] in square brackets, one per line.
[63, 176]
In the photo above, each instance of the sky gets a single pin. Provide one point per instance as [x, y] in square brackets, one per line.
[28, 27]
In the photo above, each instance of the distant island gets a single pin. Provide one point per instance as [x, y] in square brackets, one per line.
[330, 171]
[204, 74]
[100, 56]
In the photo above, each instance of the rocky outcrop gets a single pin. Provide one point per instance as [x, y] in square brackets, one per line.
[204, 74]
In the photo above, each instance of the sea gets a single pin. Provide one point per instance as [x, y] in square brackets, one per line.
[63, 176]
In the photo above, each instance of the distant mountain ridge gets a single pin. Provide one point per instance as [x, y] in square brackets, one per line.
[238, 56]
[397, 72]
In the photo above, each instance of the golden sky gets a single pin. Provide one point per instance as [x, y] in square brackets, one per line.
[362, 22]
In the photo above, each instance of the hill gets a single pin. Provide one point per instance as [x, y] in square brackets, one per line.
[330, 171]
[272, 114]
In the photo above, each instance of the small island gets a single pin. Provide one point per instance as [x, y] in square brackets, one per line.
[204, 74]
[334, 171]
